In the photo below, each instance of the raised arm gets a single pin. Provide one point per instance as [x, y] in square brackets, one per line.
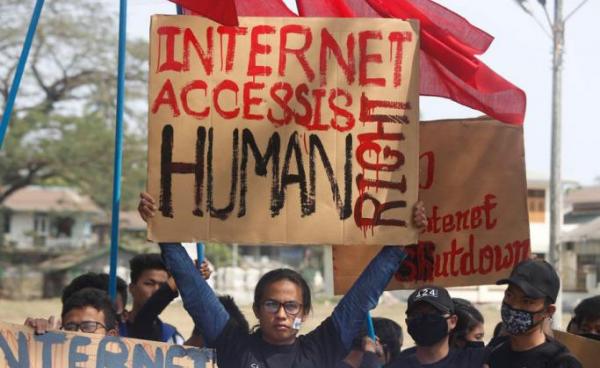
[349, 315]
[199, 300]
[142, 325]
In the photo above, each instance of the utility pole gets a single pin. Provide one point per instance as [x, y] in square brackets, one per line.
[556, 191]
[557, 27]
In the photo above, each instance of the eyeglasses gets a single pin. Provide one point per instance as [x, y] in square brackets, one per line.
[84, 326]
[291, 308]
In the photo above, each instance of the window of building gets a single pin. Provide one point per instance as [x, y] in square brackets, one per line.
[536, 203]
[40, 223]
[62, 227]
[5, 222]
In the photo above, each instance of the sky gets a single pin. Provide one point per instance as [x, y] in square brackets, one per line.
[521, 53]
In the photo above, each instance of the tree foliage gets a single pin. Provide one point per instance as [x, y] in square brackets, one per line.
[62, 127]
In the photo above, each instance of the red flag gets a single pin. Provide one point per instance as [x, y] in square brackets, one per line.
[263, 8]
[449, 44]
[222, 11]
[324, 8]
[227, 11]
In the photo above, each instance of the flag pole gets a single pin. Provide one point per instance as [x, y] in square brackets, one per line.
[118, 156]
[14, 88]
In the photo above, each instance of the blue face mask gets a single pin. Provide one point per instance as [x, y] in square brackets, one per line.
[517, 321]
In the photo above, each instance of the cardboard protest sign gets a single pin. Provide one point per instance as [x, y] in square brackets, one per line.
[20, 348]
[283, 130]
[584, 349]
[475, 192]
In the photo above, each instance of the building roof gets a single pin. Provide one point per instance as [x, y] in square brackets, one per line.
[587, 231]
[131, 220]
[583, 195]
[50, 199]
[81, 256]
[128, 220]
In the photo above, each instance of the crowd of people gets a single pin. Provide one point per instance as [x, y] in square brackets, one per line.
[448, 332]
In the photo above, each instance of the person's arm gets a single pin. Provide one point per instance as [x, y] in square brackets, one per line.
[352, 360]
[199, 300]
[142, 326]
[365, 358]
[349, 315]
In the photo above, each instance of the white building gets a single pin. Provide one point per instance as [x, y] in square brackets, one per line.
[50, 217]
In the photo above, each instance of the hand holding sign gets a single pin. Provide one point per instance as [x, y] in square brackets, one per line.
[297, 124]
[473, 184]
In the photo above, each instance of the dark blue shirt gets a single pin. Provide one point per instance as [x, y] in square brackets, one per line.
[456, 358]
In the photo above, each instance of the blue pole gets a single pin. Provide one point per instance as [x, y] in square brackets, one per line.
[14, 88]
[370, 327]
[179, 9]
[200, 253]
[116, 200]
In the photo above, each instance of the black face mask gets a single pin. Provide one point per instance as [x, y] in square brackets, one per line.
[427, 329]
[474, 344]
[591, 336]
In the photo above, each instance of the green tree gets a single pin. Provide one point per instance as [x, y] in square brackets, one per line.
[62, 128]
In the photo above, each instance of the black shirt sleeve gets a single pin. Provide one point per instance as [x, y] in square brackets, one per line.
[324, 345]
[370, 360]
[145, 325]
[568, 361]
[231, 344]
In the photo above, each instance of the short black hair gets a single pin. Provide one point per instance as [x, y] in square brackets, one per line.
[95, 298]
[587, 309]
[278, 275]
[94, 280]
[143, 262]
[468, 318]
[390, 335]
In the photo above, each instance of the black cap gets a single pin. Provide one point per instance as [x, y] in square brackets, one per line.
[435, 296]
[537, 279]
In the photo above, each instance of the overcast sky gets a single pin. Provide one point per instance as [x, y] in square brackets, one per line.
[521, 53]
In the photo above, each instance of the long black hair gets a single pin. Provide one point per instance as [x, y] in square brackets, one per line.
[278, 275]
[468, 318]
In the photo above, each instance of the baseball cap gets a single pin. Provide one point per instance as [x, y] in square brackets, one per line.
[435, 296]
[537, 279]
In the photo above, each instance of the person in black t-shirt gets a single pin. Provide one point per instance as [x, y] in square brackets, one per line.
[527, 305]
[430, 319]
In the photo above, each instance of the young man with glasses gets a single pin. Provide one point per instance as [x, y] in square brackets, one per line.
[88, 310]
[430, 317]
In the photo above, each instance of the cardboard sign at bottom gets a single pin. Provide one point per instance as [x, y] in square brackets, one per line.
[20, 348]
[584, 349]
[472, 181]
